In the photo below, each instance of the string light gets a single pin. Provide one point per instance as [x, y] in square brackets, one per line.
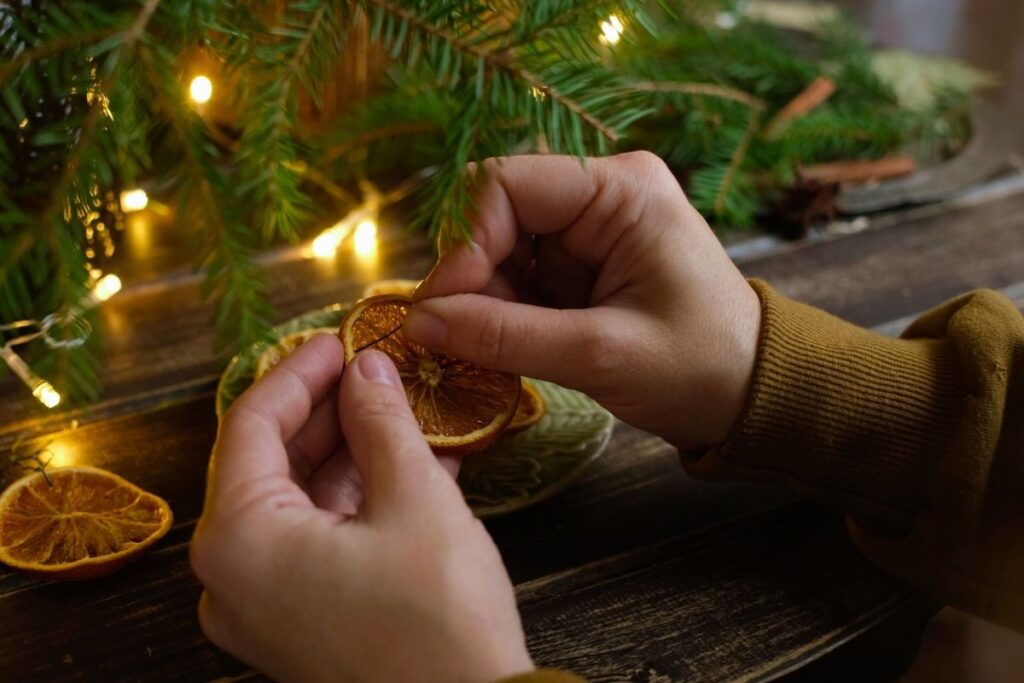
[102, 289]
[134, 200]
[40, 388]
[611, 30]
[46, 394]
[200, 89]
[106, 287]
[326, 243]
[362, 221]
[365, 239]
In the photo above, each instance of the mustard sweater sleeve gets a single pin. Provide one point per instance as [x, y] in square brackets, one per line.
[919, 440]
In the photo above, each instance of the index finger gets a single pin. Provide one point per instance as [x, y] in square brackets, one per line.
[253, 434]
[540, 195]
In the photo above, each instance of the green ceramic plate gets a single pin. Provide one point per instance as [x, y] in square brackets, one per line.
[521, 469]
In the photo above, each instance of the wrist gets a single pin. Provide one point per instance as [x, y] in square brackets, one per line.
[743, 343]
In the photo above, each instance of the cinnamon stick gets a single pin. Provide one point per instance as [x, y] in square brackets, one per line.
[859, 171]
[820, 89]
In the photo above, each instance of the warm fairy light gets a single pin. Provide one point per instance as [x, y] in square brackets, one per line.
[46, 394]
[200, 89]
[106, 287]
[611, 30]
[62, 453]
[326, 243]
[366, 238]
[134, 200]
[40, 388]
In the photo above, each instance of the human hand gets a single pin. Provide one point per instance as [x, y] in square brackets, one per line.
[325, 559]
[604, 279]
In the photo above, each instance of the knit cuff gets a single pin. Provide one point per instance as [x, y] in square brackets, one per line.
[845, 415]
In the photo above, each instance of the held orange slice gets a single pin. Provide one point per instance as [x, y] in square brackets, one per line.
[530, 410]
[275, 353]
[461, 408]
[403, 287]
[89, 523]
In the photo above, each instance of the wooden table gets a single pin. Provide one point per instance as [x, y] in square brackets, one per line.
[637, 573]
[637, 570]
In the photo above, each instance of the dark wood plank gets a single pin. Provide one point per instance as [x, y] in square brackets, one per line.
[624, 509]
[139, 625]
[635, 495]
[895, 270]
[748, 601]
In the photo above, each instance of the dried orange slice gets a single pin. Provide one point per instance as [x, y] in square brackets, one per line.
[461, 408]
[88, 523]
[530, 410]
[403, 287]
[275, 353]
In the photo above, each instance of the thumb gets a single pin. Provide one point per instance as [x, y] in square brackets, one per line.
[398, 469]
[539, 342]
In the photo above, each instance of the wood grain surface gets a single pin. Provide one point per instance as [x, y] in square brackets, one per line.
[637, 572]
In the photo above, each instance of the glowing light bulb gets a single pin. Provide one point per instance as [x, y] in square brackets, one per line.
[134, 200]
[46, 394]
[366, 238]
[611, 30]
[106, 287]
[200, 89]
[326, 243]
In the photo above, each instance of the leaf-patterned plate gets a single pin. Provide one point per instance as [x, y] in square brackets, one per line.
[521, 469]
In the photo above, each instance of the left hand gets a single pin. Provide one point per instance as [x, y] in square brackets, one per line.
[325, 559]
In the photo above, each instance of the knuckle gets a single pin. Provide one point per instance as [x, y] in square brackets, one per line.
[491, 339]
[643, 162]
[602, 352]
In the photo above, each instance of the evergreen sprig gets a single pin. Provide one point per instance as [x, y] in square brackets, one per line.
[92, 96]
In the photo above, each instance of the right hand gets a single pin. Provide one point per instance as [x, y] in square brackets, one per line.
[603, 278]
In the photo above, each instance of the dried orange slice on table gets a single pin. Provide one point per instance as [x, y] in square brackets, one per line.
[78, 523]
[461, 408]
[530, 410]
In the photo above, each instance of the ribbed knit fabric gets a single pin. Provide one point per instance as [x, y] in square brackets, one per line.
[919, 440]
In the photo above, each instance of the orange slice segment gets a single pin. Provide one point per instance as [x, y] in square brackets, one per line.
[275, 353]
[461, 408]
[530, 410]
[403, 287]
[88, 523]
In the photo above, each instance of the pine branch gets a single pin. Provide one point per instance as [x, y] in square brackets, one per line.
[737, 161]
[385, 132]
[232, 277]
[51, 48]
[503, 60]
[302, 51]
[701, 89]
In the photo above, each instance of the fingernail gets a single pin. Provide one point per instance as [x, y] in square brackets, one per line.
[426, 328]
[375, 367]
